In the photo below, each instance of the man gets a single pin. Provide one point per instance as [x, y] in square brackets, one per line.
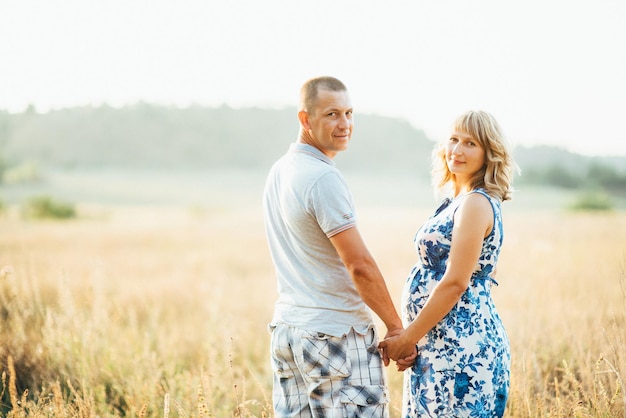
[324, 343]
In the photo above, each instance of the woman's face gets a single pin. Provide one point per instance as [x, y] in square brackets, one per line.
[464, 155]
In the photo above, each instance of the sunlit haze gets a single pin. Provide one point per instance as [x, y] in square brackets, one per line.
[552, 72]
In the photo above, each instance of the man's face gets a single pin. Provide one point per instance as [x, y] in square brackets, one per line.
[330, 123]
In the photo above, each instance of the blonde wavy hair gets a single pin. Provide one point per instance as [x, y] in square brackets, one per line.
[496, 176]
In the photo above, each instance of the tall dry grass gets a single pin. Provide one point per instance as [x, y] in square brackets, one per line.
[163, 312]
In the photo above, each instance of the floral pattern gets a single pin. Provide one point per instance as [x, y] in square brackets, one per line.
[463, 364]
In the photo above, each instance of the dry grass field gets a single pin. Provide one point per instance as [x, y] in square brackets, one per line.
[138, 311]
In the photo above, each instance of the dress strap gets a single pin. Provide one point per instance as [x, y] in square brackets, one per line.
[444, 204]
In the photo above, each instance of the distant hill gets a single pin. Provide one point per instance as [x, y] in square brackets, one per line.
[148, 136]
[156, 137]
[542, 156]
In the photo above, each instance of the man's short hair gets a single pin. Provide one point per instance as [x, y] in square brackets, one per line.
[309, 90]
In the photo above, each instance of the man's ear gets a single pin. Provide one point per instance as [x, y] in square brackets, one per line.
[303, 117]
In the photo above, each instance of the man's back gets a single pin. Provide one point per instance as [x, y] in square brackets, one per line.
[307, 201]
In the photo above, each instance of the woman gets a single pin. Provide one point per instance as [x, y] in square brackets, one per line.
[463, 363]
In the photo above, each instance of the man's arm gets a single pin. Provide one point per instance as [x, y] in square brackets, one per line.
[367, 277]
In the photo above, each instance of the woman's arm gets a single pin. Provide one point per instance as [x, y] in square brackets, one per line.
[473, 221]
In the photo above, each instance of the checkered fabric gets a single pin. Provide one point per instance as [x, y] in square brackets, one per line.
[318, 375]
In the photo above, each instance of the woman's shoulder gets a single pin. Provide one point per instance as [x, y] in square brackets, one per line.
[477, 208]
[478, 200]
[482, 194]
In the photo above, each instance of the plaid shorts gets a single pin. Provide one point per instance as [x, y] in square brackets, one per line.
[317, 375]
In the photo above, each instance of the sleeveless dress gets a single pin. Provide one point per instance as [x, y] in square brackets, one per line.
[463, 363]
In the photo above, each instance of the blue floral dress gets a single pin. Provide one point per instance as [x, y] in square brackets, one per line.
[463, 363]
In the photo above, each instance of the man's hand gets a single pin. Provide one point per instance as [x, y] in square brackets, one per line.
[403, 360]
[383, 352]
[398, 347]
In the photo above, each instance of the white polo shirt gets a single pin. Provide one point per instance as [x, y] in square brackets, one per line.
[306, 201]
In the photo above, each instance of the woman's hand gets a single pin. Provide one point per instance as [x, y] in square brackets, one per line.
[404, 363]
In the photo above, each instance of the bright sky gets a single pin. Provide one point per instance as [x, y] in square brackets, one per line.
[551, 71]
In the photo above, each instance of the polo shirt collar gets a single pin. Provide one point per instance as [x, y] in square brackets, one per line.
[309, 149]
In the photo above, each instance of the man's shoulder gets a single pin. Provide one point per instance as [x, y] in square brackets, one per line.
[307, 165]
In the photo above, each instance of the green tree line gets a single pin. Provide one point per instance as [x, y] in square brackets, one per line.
[149, 136]
[159, 137]
[559, 168]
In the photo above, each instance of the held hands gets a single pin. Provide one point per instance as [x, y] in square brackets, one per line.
[397, 347]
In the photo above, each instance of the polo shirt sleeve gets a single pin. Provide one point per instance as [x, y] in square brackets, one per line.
[332, 204]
